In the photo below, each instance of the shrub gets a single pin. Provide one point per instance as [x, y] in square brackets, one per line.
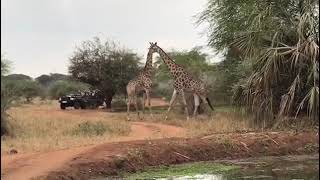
[90, 129]
[29, 89]
[63, 87]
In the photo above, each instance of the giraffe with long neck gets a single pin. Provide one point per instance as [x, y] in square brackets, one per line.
[142, 82]
[183, 82]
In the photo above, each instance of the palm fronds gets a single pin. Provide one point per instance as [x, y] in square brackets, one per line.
[284, 45]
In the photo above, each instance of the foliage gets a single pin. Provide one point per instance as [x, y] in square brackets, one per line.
[5, 65]
[12, 91]
[224, 19]
[228, 73]
[281, 41]
[63, 87]
[17, 77]
[90, 129]
[27, 89]
[46, 80]
[30, 89]
[105, 66]
[7, 96]
[193, 61]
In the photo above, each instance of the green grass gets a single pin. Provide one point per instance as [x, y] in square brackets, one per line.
[188, 169]
[224, 109]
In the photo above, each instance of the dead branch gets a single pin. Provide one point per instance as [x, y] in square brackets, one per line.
[182, 155]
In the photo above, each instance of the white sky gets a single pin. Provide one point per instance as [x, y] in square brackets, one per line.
[38, 36]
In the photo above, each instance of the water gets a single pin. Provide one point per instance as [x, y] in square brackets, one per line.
[304, 167]
[289, 167]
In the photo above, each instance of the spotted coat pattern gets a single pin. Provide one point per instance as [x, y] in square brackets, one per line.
[141, 83]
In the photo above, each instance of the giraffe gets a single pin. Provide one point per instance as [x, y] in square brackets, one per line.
[183, 82]
[141, 83]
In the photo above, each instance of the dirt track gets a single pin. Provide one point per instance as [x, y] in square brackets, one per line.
[26, 166]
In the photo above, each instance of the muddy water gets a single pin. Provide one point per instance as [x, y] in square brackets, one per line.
[264, 168]
[288, 167]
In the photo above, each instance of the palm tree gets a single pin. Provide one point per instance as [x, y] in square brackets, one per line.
[283, 42]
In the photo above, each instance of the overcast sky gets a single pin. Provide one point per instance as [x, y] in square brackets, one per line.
[38, 36]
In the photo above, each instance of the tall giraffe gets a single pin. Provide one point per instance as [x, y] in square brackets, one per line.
[142, 82]
[183, 82]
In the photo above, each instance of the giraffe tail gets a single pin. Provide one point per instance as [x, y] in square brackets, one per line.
[209, 103]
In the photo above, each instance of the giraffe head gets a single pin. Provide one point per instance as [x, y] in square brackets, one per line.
[153, 47]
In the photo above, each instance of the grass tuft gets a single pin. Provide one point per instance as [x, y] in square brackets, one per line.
[222, 120]
[90, 129]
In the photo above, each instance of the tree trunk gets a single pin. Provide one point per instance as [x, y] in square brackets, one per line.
[108, 102]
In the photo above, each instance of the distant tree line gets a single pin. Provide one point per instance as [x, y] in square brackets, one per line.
[20, 88]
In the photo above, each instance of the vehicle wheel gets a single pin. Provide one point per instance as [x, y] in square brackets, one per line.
[92, 106]
[95, 106]
[76, 105]
[62, 106]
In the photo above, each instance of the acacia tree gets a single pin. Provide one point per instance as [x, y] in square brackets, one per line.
[105, 66]
[8, 95]
[5, 65]
[281, 40]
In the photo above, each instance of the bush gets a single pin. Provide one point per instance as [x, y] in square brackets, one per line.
[163, 89]
[5, 127]
[90, 129]
[121, 103]
[63, 87]
[29, 89]
[9, 93]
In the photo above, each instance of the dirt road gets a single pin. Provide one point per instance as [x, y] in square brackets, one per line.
[27, 166]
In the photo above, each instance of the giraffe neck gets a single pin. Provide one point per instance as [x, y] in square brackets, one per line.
[148, 67]
[167, 60]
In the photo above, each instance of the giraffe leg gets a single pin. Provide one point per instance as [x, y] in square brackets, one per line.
[149, 102]
[128, 108]
[196, 104]
[203, 98]
[143, 102]
[136, 106]
[173, 98]
[185, 104]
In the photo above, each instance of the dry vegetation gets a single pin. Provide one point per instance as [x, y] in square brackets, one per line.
[43, 126]
[222, 120]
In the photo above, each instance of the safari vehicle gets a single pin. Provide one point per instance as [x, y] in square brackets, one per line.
[83, 100]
